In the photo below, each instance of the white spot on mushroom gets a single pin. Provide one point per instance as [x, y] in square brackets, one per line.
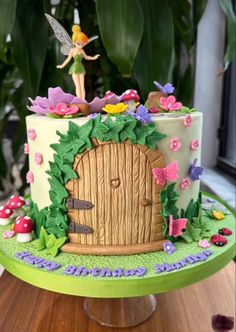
[21, 198]
[12, 196]
[27, 217]
[25, 225]
[132, 94]
[19, 204]
[18, 221]
[12, 203]
[127, 92]
[1, 208]
[8, 211]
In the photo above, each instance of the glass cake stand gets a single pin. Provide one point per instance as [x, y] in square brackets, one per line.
[121, 312]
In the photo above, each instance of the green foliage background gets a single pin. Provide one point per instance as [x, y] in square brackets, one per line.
[140, 41]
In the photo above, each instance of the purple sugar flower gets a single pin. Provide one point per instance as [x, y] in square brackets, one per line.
[168, 247]
[141, 114]
[167, 88]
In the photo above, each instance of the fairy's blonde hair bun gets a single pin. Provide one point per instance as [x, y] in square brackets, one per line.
[78, 35]
[76, 28]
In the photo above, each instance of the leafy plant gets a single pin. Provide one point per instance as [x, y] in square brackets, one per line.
[49, 242]
[196, 229]
[168, 198]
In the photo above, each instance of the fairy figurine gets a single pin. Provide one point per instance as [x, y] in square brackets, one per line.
[73, 48]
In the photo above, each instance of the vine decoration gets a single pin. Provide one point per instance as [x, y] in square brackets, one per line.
[119, 128]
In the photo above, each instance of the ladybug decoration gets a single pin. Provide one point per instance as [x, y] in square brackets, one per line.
[225, 231]
[218, 240]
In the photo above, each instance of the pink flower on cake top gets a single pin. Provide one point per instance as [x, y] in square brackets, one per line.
[170, 104]
[63, 109]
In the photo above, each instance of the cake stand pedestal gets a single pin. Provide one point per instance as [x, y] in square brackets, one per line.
[123, 312]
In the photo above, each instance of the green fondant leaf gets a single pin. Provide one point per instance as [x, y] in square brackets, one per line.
[54, 250]
[127, 131]
[152, 139]
[143, 131]
[50, 240]
[187, 238]
[68, 173]
[39, 244]
[59, 192]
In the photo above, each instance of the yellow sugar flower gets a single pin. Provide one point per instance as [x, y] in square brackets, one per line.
[219, 215]
[115, 109]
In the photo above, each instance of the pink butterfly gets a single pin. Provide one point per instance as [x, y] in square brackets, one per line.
[177, 226]
[168, 173]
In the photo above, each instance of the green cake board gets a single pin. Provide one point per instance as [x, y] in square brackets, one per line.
[117, 287]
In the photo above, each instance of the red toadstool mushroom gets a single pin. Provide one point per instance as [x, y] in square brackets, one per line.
[5, 215]
[130, 97]
[15, 203]
[23, 228]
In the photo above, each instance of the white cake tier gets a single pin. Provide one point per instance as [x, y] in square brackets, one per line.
[171, 125]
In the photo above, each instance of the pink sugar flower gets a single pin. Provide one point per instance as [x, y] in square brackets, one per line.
[29, 177]
[188, 121]
[184, 183]
[175, 144]
[194, 144]
[38, 158]
[204, 244]
[8, 234]
[26, 148]
[31, 133]
[170, 104]
[63, 109]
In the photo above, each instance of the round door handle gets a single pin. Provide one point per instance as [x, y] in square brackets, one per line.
[146, 202]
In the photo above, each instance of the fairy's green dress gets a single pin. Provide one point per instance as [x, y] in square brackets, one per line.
[77, 67]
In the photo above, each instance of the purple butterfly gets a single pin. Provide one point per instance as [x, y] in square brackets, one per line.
[167, 88]
[195, 171]
[141, 114]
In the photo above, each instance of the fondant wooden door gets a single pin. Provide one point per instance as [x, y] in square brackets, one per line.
[116, 179]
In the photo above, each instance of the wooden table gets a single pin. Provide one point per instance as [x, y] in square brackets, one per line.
[25, 308]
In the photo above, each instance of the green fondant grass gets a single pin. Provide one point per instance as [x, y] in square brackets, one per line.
[10, 247]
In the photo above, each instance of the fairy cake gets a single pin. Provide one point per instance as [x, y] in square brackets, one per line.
[111, 176]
